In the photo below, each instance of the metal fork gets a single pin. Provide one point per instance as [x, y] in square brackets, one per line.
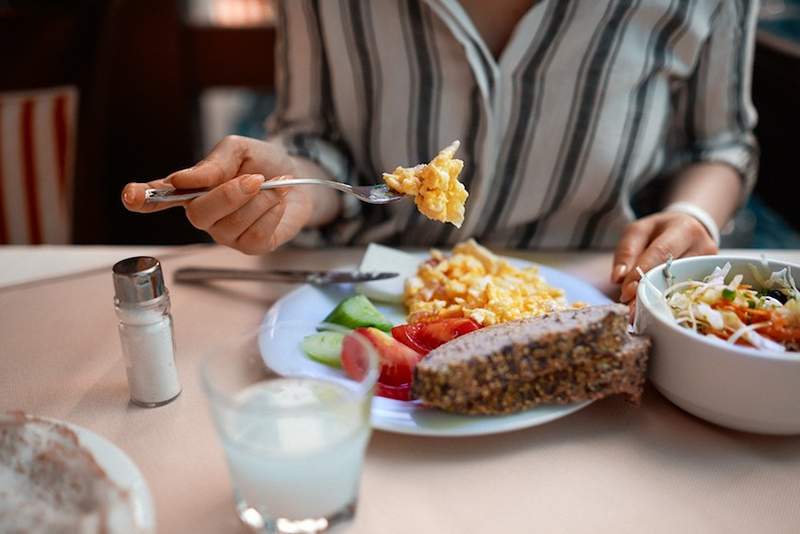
[373, 194]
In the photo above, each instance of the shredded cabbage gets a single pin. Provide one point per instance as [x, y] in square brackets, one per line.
[736, 312]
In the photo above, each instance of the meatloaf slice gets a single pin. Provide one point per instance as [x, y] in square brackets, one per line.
[562, 357]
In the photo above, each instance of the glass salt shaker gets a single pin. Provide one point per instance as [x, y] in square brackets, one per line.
[142, 304]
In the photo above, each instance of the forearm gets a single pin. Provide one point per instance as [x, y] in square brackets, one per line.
[326, 201]
[714, 187]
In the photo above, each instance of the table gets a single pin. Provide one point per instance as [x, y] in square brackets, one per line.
[608, 468]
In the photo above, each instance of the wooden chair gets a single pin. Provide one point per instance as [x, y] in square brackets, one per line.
[51, 53]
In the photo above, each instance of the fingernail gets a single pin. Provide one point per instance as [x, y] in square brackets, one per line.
[251, 183]
[629, 292]
[128, 196]
[618, 272]
[193, 167]
[168, 179]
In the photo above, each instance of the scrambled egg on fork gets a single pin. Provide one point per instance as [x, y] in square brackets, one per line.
[435, 186]
[475, 283]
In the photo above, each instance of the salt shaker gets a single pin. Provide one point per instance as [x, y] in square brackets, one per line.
[145, 329]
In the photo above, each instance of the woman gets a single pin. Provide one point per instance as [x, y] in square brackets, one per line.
[570, 113]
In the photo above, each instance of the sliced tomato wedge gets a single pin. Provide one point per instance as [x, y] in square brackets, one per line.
[437, 333]
[354, 357]
[400, 352]
[407, 335]
[402, 393]
[423, 337]
[397, 362]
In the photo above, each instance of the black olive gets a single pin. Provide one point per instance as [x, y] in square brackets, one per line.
[777, 295]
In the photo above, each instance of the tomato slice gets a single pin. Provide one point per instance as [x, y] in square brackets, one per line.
[440, 332]
[402, 393]
[396, 361]
[423, 337]
[400, 352]
[354, 358]
[407, 334]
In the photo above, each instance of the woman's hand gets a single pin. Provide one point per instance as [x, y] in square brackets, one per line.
[235, 212]
[651, 240]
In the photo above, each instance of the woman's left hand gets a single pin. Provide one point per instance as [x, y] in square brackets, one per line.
[650, 241]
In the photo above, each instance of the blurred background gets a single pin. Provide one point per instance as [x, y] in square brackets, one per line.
[98, 93]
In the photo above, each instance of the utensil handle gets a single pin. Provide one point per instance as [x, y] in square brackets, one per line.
[175, 195]
[201, 274]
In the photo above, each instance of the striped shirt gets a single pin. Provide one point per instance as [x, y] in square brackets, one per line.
[592, 105]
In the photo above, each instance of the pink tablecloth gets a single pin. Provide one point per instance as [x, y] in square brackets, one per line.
[607, 468]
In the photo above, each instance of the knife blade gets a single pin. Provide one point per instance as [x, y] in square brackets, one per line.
[319, 278]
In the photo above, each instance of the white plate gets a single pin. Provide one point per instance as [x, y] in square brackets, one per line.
[308, 303]
[122, 471]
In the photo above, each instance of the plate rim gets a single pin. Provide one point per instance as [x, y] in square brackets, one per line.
[137, 486]
[563, 410]
[273, 314]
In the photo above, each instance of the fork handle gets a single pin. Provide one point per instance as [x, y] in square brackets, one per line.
[152, 196]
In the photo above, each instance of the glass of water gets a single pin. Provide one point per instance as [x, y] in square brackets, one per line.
[294, 431]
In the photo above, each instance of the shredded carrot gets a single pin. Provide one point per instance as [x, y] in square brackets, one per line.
[747, 315]
[776, 323]
[779, 331]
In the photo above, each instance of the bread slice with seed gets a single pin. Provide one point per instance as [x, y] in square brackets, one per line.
[563, 357]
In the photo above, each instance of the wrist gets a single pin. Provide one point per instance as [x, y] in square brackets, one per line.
[699, 214]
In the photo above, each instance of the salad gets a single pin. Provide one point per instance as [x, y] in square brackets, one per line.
[767, 317]
[399, 347]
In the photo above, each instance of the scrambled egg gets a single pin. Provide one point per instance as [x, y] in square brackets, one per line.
[475, 283]
[435, 186]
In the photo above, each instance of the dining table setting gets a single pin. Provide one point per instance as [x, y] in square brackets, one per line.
[604, 466]
[439, 267]
[483, 269]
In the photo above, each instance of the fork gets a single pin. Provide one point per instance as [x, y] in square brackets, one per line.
[372, 194]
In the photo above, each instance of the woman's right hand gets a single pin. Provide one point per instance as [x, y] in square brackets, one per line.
[236, 212]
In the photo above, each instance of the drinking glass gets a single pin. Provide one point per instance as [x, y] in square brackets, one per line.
[294, 431]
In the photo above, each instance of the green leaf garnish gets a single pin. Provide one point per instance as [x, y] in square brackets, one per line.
[728, 294]
[751, 304]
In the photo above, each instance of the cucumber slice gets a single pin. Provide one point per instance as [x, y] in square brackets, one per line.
[358, 311]
[324, 347]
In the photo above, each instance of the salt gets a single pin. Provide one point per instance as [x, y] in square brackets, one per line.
[145, 330]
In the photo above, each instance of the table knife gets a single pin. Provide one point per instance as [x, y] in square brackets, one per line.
[320, 278]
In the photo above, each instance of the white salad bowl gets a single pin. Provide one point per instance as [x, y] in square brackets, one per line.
[731, 385]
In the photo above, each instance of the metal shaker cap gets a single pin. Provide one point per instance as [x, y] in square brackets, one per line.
[138, 279]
